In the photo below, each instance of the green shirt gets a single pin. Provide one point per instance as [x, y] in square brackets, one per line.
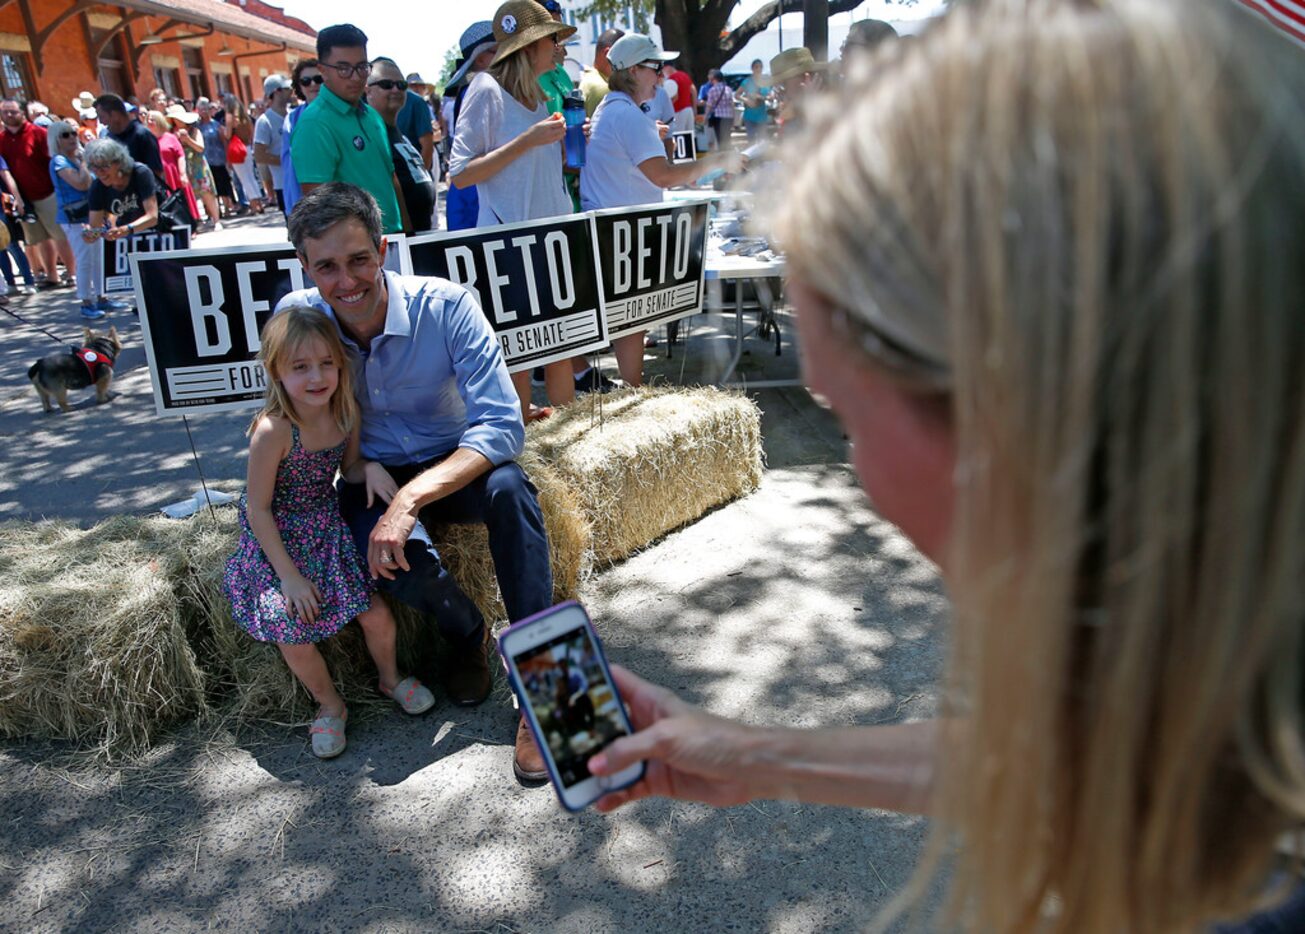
[335, 141]
[557, 85]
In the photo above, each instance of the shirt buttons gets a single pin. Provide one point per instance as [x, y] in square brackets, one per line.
[376, 392]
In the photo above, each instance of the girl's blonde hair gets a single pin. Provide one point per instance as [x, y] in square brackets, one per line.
[1082, 222]
[283, 334]
[517, 76]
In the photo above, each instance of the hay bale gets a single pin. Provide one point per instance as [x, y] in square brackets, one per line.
[253, 678]
[93, 648]
[644, 462]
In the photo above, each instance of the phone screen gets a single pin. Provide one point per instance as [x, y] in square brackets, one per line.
[572, 700]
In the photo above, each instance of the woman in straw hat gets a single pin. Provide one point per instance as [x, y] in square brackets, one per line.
[508, 146]
[1047, 266]
[197, 170]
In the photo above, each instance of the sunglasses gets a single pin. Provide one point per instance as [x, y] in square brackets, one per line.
[653, 66]
[387, 84]
[345, 69]
[310, 80]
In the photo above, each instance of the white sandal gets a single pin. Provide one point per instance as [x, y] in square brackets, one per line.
[327, 734]
[412, 696]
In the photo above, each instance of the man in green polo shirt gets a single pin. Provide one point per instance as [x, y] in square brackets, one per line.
[341, 139]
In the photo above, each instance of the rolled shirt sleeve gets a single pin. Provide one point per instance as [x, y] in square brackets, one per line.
[481, 114]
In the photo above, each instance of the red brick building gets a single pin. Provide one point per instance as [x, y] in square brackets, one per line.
[51, 50]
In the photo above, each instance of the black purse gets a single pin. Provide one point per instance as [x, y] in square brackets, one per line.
[78, 213]
[174, 212]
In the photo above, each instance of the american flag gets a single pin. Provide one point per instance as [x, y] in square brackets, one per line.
[1287, 15]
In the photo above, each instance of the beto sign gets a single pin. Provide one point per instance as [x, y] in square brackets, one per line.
[652, 263]
[200, 315]
[115, 255]
[534, 281]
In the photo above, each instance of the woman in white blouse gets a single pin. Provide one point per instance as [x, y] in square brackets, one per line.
[506, 144]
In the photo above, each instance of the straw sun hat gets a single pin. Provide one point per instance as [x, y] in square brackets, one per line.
[518, 23]
[793, 63]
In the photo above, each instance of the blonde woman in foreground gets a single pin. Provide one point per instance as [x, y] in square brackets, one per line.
[1048, 261]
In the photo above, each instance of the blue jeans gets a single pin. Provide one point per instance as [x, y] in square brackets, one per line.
[461, 208]
[505, 500]
[24, 268]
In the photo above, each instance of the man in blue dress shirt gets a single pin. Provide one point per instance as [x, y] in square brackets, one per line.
[440, 413]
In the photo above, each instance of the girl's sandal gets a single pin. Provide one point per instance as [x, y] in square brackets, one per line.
[327, 734]
[412, 696]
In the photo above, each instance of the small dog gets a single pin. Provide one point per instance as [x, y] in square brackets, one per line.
[76, 368]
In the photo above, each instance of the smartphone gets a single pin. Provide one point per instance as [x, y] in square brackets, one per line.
[556, 666]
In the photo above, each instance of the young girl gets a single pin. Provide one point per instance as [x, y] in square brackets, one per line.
[296, 577]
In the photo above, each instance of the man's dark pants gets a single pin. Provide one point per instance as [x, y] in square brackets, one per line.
[502, 498]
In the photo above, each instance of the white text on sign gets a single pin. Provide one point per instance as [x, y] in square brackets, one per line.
[461, 262]
[206, 298]
[632, 243]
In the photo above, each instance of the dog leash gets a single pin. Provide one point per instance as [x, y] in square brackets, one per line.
[21, 320]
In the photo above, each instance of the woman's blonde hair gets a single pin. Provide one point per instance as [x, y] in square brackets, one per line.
[162, 122]
[283, 334]
[1082, 222]
[516, 75]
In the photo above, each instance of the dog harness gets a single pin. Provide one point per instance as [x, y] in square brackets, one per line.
[92, 359]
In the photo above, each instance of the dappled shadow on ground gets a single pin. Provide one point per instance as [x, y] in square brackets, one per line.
[795, 606]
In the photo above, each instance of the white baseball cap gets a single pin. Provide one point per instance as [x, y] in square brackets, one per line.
[632, 48]
[274, 83]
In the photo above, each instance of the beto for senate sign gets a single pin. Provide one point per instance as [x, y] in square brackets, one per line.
[201, 312]
[535, 282]
[652, 260]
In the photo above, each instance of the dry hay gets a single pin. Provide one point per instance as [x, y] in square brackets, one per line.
[643, 462]
[252, 675]
[93, 646]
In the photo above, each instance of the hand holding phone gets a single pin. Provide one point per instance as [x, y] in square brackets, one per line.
[556, 666]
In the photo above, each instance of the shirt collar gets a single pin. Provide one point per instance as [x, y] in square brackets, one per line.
[330, 99]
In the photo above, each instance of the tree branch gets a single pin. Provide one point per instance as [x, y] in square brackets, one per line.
[758, 21]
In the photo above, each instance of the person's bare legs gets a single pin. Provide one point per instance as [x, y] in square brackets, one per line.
[211, 207]
[49, 259]
[559, 382]
[379, 633]
[36, 259]
[63, 249]
[629, 357]
[310, 668]
[521, 383]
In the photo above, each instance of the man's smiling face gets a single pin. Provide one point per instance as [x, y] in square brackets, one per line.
[348, 270]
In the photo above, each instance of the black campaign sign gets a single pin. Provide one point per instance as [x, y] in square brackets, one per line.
[684, 147]
[200, 315]
[652, 260]
[535, 282]
[116, 254]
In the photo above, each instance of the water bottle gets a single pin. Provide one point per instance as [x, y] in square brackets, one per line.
[573, 111]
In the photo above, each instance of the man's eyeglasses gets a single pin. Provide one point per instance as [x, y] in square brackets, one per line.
[308, 81]
[653, 66]
[388, 84]
[345, 69]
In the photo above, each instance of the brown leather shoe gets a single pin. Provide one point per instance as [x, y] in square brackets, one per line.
[467, 680]
[527, 762]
